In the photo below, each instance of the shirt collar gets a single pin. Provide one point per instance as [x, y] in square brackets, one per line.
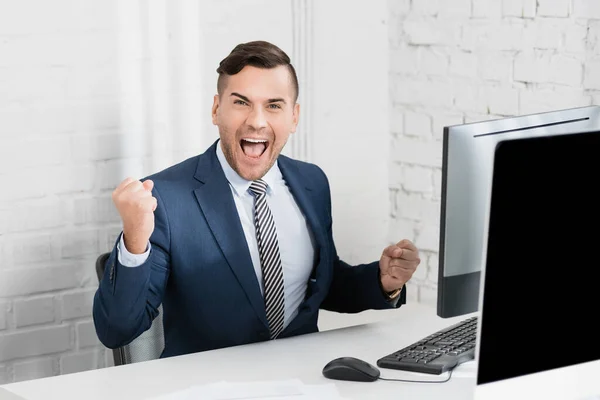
[241, 185]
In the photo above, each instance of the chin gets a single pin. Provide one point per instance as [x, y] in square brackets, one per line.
[253, 173]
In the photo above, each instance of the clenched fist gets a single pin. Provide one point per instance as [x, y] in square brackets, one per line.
[136, 205]
[397, 264]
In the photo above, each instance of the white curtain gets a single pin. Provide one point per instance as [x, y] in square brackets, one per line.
[164, 112]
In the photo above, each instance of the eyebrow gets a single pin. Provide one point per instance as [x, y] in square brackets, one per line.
[241, 96]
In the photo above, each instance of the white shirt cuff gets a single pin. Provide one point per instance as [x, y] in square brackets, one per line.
[131, 260]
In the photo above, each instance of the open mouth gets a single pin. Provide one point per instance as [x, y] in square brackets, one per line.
[254, 148]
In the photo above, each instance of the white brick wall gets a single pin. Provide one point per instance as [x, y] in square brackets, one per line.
[2, 315]
[93, 91]
[496, 58]
[5, 375]
[34, 369]
[33, 311]
[68, 135]
[82, 361]
[35, 342]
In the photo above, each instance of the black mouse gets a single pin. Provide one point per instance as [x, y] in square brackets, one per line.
[350, 369]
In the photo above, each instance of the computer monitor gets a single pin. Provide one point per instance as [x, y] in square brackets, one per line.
[539, 288]
[468, 151]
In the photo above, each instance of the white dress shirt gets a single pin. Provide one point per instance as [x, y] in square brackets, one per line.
[296, 246]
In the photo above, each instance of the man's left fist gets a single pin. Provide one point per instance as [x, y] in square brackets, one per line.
[397, 264]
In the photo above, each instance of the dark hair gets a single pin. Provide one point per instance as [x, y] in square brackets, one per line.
[258, 54]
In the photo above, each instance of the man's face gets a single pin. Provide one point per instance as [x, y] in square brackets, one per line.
[255, 113]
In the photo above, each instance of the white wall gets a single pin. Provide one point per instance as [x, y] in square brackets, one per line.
[351, 119]
[92, 91]
[462, 61]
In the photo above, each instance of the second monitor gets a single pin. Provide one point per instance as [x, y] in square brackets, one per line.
[468, 152]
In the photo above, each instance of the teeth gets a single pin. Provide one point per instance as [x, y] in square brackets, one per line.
[255, 140]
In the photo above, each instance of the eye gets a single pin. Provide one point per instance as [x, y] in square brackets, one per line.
[274, 106]
[240, 102]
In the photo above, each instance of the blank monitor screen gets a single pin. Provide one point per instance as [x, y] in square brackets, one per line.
[540, 300]
[468, 153]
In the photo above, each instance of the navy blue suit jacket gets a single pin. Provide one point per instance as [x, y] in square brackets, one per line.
[200, 270]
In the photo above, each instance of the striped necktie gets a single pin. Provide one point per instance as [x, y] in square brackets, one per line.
[270, 260]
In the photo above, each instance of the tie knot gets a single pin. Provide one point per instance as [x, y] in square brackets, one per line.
[258, 187]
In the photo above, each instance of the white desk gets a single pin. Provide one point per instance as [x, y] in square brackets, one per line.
[301, 357]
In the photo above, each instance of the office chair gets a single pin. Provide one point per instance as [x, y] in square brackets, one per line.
[149, 345]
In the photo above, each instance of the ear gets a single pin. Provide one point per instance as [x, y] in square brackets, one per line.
[295, 117]
[215, 109]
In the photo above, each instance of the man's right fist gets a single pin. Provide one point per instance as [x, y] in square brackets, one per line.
[136, 205]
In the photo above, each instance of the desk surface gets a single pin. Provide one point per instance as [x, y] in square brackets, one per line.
[301, 357]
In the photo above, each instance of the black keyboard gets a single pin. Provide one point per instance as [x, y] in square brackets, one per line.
[437, 353]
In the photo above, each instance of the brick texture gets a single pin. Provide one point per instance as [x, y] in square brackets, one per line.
[488, 59]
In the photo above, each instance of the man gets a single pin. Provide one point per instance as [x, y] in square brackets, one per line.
[236, 243]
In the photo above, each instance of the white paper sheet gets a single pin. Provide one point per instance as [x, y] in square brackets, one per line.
[293, 389]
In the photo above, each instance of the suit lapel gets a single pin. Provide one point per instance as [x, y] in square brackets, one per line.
[217, 204]
[307, 196]
[303, 193]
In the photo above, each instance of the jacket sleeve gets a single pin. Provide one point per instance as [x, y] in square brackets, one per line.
[127, 299]
[355, 288]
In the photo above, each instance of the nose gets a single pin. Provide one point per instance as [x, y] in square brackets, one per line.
[257, 118]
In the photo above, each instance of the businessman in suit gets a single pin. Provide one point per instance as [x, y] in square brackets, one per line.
[236, 243]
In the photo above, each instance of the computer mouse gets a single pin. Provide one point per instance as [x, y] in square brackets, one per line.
[351, 369]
